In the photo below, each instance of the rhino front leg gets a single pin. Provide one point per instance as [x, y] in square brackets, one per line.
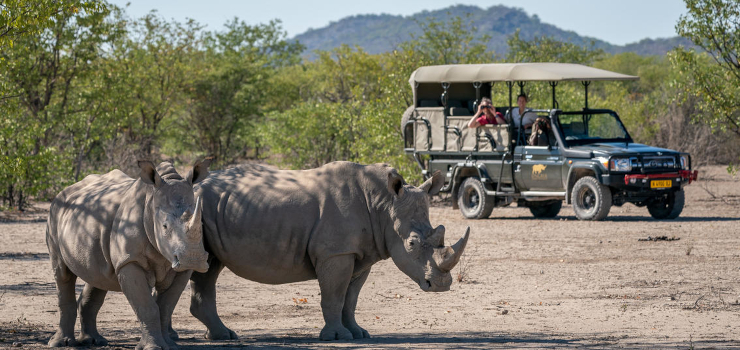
[167, 300]
[203, 301]
[136, 288]
[65, 280]
[334, 275]
[350, 303]
[89, 305]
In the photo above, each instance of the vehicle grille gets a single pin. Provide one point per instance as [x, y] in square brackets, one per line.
[658, 163]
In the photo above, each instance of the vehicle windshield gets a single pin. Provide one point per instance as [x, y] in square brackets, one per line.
[580, 128]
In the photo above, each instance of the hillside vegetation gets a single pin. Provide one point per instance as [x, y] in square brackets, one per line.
[384, 33]
[89, 89]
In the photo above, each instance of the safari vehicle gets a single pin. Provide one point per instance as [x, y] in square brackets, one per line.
[590, 159]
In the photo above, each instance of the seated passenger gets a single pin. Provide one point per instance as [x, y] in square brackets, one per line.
[485, 115]
[516, 113]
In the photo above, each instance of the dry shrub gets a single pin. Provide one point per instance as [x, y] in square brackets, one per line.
[678, 130]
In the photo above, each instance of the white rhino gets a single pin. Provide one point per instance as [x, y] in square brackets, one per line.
[331, 223]
[121, 234]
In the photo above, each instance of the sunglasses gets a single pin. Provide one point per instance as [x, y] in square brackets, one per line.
[486, 106]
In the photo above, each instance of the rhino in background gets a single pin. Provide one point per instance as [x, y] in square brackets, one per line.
[331, 223]
[121, 234]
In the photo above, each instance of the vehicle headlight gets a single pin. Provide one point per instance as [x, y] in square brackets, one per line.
[684, 162]
[620, 164]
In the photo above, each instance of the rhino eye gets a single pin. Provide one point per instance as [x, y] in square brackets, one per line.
[165, 226]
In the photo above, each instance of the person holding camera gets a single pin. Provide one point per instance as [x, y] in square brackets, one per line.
[486, 115]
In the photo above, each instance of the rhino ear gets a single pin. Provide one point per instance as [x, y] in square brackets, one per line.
[434, 184]
[149, 173]
[200, 171]
[395, 183]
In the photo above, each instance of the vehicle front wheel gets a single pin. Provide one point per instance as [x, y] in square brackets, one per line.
[547, 209]
[669, 206]
[473, 201]
[591, 200]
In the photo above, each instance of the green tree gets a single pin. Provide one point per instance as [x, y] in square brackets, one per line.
[156, 63]
[45, 76]
[547, 49]
[713, 25]
[449, 42]
[232, 90]
[19, 18]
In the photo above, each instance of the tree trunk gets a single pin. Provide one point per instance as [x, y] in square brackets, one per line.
[21, 201]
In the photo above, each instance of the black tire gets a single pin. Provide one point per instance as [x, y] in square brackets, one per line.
[669, 207]
[591, 200]
[473, 201]
[547, 209]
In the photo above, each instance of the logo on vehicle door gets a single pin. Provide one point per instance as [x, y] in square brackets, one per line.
[538, 172]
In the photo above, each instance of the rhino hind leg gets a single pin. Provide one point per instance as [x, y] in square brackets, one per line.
[65, 281]
[91, 299]
[334, 275]
[350, 303]
[203, 301]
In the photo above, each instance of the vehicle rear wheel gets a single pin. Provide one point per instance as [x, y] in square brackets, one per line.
[473, 201]
[547, 209]
[591, 200]
[669, 207]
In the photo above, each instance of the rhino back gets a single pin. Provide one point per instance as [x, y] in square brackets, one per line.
[271, 226]
[80, 223]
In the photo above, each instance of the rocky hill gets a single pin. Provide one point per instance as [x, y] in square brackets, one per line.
[382, 33]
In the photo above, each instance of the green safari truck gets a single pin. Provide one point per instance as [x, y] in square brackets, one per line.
[588, 160]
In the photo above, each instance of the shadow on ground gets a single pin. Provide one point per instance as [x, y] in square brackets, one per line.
[35, 337]
[24, 256]
[617, 218]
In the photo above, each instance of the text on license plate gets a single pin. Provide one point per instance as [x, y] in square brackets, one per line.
[661, 183]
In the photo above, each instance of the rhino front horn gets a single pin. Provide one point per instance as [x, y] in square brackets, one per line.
[451, 255]
[195, 219]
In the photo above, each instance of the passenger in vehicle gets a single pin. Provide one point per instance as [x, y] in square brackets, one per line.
[516, 113]
[486, 115]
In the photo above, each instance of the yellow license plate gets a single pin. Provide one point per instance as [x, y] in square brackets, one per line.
[661, 183]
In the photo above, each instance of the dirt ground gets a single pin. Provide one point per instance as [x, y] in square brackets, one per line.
[527, 284]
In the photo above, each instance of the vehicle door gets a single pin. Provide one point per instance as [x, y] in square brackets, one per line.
[539, 168]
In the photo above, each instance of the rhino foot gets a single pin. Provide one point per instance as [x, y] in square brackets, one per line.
[150, 344]
[225, 334]
[358, 332]
[88, 339]
[170, 343]
[141, 346]
[335, 333]
[59, 340]
[173, 334]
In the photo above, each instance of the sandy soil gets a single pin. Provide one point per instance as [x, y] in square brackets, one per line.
[527, 283]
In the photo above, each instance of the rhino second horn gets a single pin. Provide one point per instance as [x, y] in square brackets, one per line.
[457, 250]
[195, 220]
[437, 238]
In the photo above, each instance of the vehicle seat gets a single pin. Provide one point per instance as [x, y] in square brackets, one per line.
[428, 103]
[453, 104]
[459, 111]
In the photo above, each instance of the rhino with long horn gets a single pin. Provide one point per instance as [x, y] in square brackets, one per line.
[331, 223]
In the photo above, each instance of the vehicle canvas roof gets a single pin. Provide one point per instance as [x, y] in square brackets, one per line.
[495, 72]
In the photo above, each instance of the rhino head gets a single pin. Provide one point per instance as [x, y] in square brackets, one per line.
[172, 215]
[420, 252]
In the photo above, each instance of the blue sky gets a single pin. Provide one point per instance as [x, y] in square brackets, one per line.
[616, 21]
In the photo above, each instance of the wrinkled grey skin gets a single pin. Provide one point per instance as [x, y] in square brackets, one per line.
[331, 223]
[121, 234]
